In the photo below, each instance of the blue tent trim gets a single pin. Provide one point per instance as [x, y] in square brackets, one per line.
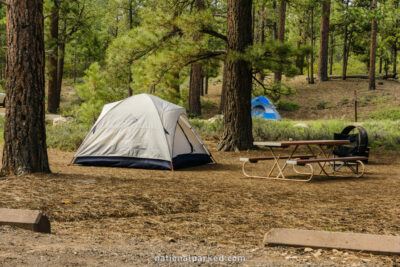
[262, 106]
[179, 162]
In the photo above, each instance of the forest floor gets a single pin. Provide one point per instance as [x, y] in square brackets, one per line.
[128, 217]
[125, 217]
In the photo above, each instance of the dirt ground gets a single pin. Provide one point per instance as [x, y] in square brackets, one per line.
[126, 217]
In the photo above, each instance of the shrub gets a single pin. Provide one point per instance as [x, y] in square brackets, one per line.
[66, 136]
[322, 105]
[287, 106]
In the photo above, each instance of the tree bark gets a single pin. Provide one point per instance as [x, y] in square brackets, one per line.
[281, 34]
[372, 55]
[237, 124]
[52, 105]
[60, 70]
[395, 57]
[130, 91]
[332, 54]
[275, 25]
[324, 42]
[24, 128]
[311, 81]
[206, 84]
[223, 89]
[345, 52]
[196, 76]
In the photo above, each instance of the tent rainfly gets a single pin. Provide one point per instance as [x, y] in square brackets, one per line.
[143, 131]
[262, 106]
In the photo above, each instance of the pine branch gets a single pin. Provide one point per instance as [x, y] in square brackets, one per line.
[208, 54]
[259, 82]
[4, 3]
[215, 34]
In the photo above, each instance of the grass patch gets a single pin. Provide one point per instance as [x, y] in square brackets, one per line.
[388, 114]
[381, 133]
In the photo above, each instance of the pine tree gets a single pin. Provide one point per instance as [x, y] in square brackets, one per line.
[237, 124]
[324, 42]
[372, 56]
[24, 129]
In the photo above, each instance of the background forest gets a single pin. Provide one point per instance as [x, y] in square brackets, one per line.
[110, 49]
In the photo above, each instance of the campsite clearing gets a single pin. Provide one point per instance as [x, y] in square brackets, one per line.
[116, 216]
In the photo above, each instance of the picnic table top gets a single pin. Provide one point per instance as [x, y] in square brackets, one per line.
[302, 142]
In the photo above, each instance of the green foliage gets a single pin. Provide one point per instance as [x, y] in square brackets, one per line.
[67, 136]
[344, 101]
[94, 93]
[273, 90]
[287, 106]
[322, 105]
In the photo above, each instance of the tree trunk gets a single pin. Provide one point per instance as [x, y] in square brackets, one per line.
[380, 64]
[332, 54]
[60, 70]
[345, 52]
[372, 55]
[395, 58]
[324, 42]
[275, 25]
[24, 128]
[237, 124]
[281, 34]
[52, 105]
[312, 47]
[261, 37]
[130, 91]
[206, 85]
[223, 90]
[196, 76]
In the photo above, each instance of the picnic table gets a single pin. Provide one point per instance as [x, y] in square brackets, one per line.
[320, 153]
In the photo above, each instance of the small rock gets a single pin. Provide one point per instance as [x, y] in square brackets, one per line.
[301, 125]
[365, 260]
[171, 240]
[308, 249]
[346, 254]
[317, 254]
[332, 258]
[336, 251]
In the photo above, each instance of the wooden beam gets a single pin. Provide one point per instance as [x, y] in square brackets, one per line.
[33, 220]
[338, 240]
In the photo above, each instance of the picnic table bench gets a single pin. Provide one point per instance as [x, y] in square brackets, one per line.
[328, 165]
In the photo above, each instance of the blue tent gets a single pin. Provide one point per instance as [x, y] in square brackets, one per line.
[262, 106]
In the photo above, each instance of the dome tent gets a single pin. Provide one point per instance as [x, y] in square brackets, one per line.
[142, 131]
[262, 106]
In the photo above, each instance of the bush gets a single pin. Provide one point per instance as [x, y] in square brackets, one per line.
[66, 136]
[287, 106]
[322, 105]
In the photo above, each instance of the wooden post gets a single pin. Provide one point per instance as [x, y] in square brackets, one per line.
[355, 105]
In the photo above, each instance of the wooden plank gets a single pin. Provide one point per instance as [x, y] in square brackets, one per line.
[304, 161]
[33, 220]
[274, 144]
[302, 142]
[337, 240]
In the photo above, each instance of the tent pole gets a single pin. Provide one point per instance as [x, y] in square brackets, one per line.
[172, 166]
